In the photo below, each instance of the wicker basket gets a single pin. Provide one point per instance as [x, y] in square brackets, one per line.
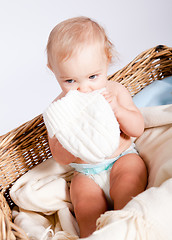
[26, 146]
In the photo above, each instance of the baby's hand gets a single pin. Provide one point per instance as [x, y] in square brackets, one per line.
[111, 99]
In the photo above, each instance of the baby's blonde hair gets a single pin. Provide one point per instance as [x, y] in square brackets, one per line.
[69, 36]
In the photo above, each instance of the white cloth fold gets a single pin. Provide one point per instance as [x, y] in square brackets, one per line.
[157, 116]
[154, 145]
[43, 189]
[42, 195]
[68, 222]
[61, 225]
[36, 225]
[84, 124]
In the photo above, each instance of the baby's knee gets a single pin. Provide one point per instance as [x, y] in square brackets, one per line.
[82, 208]
[131, 170]
[141, 173]
[134, 179]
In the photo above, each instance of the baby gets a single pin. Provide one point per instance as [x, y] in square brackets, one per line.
[79, 54]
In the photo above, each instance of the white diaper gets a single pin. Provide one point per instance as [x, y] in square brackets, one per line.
[100, 173]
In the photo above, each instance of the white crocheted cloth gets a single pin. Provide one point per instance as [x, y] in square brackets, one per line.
[84, 124]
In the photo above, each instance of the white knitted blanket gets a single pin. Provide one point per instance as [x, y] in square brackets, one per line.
[84, 124]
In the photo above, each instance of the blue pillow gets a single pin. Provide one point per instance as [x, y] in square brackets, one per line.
[157, 93]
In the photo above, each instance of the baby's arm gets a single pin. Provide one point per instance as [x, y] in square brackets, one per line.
[60, 154]
[129, 117]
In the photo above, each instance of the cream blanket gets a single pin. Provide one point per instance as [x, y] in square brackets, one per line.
[45, 210]
[43, 198]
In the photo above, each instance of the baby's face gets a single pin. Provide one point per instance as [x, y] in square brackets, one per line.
[85, 71]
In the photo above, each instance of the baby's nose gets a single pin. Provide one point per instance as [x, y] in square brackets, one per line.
[83, 88]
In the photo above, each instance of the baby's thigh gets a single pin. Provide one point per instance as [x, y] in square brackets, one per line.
[84, 191]
[130, 166]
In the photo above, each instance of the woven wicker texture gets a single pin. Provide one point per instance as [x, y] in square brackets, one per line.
[20, 150]
[26, 146]
[152, 64]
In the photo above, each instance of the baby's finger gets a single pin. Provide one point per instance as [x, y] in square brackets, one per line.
[106, 94]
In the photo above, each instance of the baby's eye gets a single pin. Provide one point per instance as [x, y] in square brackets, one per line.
[70, 81]
[93, 76]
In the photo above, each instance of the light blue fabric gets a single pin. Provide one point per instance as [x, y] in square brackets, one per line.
[88, 169]
[157, 93]
[91, 169]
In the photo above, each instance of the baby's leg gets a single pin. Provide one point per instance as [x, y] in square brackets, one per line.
[89, 203]
[128, 178]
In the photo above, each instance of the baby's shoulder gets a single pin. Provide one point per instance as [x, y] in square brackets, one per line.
[115, 86]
